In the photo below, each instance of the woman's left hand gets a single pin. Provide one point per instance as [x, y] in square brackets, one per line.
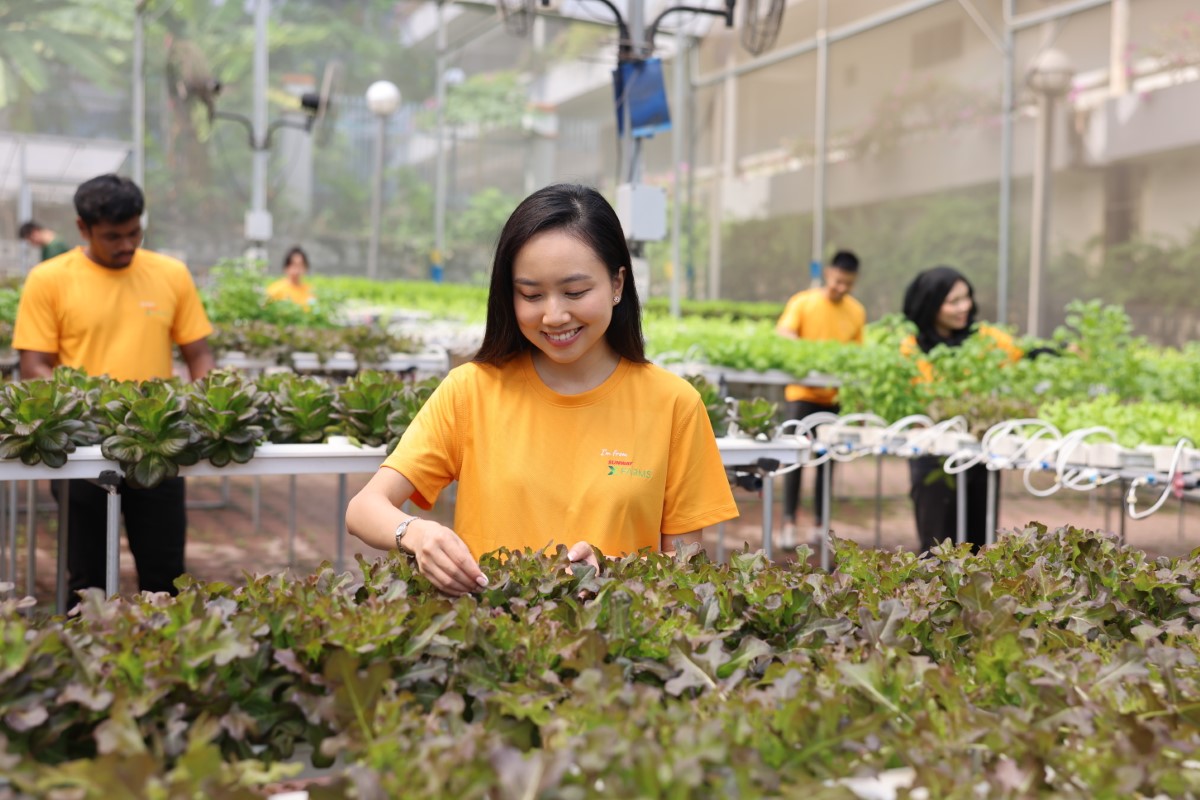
[582, 553]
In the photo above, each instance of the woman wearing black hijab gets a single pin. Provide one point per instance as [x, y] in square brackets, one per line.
[941, 303]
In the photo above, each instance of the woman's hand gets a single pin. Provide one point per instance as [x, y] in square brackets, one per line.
[582, 553]
[444, 558]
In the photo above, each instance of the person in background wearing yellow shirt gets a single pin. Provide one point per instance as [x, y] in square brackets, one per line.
[822, 313]
[292, 286]
[113, 308]
[559, 431]
[941, 302]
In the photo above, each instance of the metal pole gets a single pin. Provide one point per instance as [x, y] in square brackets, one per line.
[722, 176]
[720, 542]
[1123, 510]
[1039, 227]
[993, 485]
[439, 204]
[1182, 518]
[376, 199]
[1035, 18]
[820, 126]
[60, 570]
[631, 147]
[291, 520]
[258, 185]
[809, 45]
[24, 204]
[690, 113]
[768, 511]
[4, 534]
[139, 93]
[256, 504]
[13, 496]
[677, 139]
[878, 502]
[1108, 507]
[112, 549]
[960, 508]
[31, 535]
[1118, 78]
[1004, 256]
[827, 498]
[341, 523]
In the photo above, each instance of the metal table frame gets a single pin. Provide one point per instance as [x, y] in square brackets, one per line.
[88, 463]
[786, 452]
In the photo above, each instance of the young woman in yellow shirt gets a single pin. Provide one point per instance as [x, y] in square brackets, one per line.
[292, 286]
[559, 431]
[941, 302]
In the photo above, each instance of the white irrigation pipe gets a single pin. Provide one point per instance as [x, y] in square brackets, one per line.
[1042, 430]
[804, 428]
[897, 431]
[918, 444]
[1061, 452]
[1150, 480]
[1083, 479]
[855, 423]
[963, 460]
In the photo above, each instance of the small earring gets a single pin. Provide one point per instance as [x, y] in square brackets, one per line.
[616, 299]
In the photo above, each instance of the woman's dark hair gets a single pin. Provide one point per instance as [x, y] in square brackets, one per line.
[583, 213]
[108, 198]
[923, 300]
[296, 251]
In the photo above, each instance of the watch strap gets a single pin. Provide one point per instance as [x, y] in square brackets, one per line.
[402, 529]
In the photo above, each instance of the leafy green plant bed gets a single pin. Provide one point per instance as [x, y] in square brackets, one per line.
[277, 343]
[154, 427]
[1054, 663]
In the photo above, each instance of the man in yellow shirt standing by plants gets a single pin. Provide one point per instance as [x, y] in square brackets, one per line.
[822, 313]
[112, 308]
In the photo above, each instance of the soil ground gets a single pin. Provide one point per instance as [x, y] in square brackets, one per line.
[228, 540]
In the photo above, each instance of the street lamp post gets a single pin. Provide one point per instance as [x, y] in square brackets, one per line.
[446, 78]
[1050, 77]
[383, 98]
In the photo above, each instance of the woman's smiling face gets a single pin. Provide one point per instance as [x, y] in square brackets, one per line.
[955, 310]
[564, 297]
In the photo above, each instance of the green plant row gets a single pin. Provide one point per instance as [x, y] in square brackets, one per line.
[1094, 354]
[277, 343]
[155, 427]
[469, 303]
[1056, 663]
[1134, 423]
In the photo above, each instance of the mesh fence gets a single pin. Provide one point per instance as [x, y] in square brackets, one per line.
[913, 167]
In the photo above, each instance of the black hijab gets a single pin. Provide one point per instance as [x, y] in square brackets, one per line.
[923, 300]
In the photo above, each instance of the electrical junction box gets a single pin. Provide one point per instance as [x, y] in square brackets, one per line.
[258, 226]
[642, 210]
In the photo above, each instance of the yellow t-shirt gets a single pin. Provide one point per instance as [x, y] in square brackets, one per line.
[119, 322]
[283, 289]
[999, 338]
[616, 466]
[812, 315]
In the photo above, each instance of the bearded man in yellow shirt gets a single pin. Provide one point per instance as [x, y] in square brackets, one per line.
[112, 308]
[822, 313]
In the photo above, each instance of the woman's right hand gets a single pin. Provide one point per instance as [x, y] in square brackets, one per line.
[444, 558]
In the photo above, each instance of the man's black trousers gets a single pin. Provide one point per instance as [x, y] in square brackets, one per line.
[155, 524]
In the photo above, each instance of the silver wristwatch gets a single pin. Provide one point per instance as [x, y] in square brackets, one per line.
[402, 529]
